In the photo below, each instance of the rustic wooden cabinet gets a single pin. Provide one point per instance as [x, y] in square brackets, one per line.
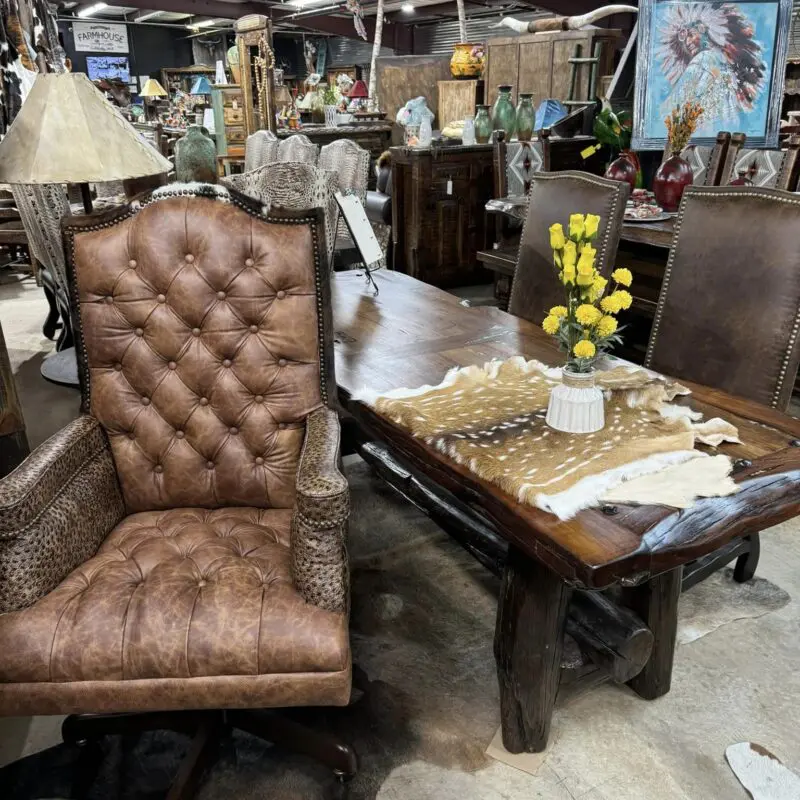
[539, 63]
[438, 218]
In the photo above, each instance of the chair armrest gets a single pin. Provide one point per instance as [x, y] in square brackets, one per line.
[319, 522]
[56, 508]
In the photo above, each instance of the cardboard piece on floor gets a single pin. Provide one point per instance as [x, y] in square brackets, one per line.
[526, 762]
[762, 773]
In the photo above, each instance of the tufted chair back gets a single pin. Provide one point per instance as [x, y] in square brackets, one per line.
[200, 345]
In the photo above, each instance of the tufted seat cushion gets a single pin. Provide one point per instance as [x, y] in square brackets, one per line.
[176, 608]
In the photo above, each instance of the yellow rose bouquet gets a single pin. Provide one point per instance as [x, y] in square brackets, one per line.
[586, 325]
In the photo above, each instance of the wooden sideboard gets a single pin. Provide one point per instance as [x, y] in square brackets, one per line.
[438, 217]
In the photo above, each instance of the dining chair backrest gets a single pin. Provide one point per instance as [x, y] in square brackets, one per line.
[768, 169]
[707, 162]
[350, 162]
[292, 185]
[260, 149]
[728, 315]
[297, 148]
[553, 197]
[41, 208]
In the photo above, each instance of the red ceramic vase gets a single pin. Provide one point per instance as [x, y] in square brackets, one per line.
[673, 176]
[623, 169]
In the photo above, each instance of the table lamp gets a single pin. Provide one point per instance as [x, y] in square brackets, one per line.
[201, 86]
[67, 132]
[359, 92]
[152, 88]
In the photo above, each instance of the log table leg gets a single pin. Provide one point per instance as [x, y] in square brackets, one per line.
[656, 602]
[528, 643]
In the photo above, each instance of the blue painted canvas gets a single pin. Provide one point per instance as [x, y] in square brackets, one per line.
[717, 54]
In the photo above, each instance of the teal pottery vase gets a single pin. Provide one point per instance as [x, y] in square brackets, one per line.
[483, 125]
[526, 116]
[196, 157]
[504, 116]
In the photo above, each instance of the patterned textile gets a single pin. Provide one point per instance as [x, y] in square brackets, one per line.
[492, 419]
[41, 207]
[698, 157]
[293, 185]
[298, 147]
[761, 167]
[523, 160]
[351, 165]
[260, 149]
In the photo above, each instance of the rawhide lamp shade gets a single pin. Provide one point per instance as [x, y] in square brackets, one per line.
[359, 91]
[152, 88]
[67, 132]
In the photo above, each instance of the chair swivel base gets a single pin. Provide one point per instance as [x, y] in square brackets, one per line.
[208, 729]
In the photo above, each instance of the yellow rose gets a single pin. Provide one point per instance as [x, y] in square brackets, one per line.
[611, 304]
[598, 287]
[551, 324]
[623, 298]
[570, 256]
[587, 314]
[584, 349]
[622, 276]
[576, 226]
[586, 260]
[557, 238]
[591, 225]
[606, 326]
[558, 311]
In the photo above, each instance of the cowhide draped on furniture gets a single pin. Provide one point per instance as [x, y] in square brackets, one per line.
[180, 546]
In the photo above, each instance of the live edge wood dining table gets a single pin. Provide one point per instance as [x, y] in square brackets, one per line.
[410, 334]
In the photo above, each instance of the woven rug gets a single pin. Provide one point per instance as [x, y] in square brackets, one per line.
[492, 420]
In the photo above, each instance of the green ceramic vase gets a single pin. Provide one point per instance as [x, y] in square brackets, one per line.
[526, 117]
[504, 117]
[483, 125]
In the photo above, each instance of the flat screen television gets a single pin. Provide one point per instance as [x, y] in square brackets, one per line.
[108, 67]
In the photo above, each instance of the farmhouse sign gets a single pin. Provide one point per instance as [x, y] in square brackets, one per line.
[100, 37]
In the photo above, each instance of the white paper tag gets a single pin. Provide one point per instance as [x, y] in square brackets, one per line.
[235, 103]
[449, 186]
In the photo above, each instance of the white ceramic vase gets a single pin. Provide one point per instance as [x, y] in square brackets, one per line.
[576, 406]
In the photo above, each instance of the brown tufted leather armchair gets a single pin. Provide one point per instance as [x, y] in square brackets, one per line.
[180, 546]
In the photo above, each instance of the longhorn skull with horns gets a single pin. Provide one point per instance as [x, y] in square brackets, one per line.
[563, 23]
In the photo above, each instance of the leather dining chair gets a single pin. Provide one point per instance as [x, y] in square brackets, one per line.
[175, 557]
[553, 197]
[728, 315]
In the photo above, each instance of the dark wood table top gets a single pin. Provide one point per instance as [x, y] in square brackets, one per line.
[412, 333]
[658, 234]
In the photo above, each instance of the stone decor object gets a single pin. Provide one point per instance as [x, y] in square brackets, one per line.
[196, 157]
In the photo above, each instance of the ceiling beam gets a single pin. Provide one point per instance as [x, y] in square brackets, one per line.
[396, 36]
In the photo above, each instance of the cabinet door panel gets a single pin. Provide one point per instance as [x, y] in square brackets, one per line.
[503, 68]
[562, 69]
[535, 61]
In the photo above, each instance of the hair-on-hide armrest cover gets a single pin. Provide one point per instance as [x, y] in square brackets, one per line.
[56, 509]
[319, 522]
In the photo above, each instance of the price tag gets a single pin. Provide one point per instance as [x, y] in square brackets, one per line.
[235, 103]
[590, 151]
[449, 186]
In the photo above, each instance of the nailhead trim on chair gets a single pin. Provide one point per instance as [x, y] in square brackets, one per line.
[714, 192]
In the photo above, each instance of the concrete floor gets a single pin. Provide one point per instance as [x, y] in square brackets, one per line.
[738, 683]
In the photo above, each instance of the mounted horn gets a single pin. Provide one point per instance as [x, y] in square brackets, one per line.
[563, 23]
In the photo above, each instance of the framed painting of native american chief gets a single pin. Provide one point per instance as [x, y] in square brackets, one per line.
[728, 57]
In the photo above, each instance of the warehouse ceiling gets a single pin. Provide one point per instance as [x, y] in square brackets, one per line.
[320, 16]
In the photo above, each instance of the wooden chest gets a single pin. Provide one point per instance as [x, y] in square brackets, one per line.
[438, 217]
